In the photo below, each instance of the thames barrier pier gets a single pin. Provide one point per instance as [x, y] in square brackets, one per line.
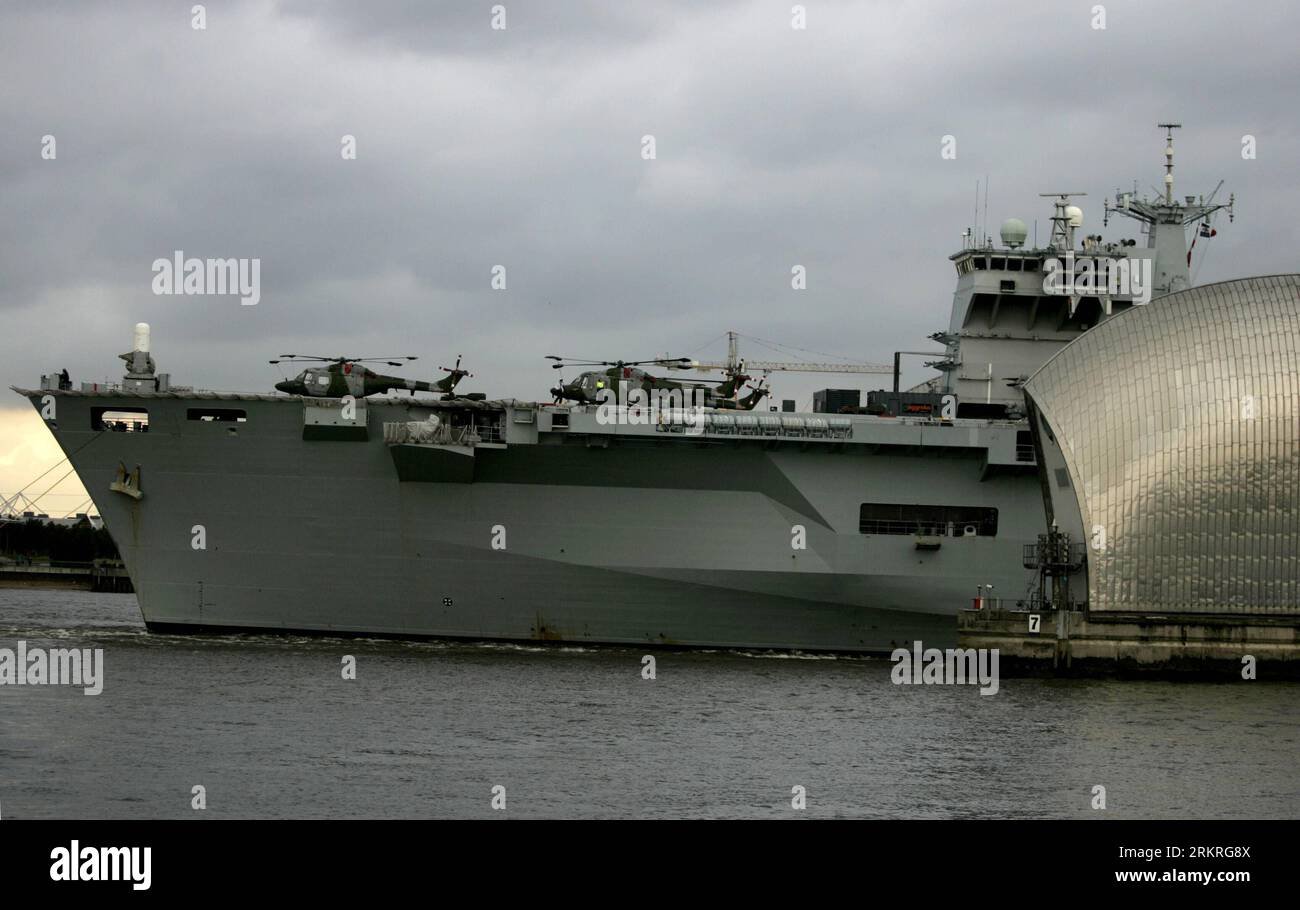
[1168, 446]
[1075, 643]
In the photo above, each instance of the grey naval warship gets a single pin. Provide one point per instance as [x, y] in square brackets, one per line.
[335, 507]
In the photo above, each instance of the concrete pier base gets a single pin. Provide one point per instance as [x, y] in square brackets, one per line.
[1061, 643]
[92, 576]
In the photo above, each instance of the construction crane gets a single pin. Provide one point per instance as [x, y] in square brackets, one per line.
[734, 364]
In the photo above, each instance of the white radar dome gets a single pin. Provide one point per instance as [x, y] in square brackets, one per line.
[141, 337]
[1075, 214]
[1014, 232]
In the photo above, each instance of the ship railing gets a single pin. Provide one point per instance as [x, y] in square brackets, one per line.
[916, 528]
[673, 420]
[100, 388]
[1054, 559]
[1003, 607]
[423, 432]
[126, 425]
[746, 424]
[490, 432]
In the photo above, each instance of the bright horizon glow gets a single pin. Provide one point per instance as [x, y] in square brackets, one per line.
[26, 450]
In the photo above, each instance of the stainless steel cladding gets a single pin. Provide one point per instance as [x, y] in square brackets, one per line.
[1171, 445]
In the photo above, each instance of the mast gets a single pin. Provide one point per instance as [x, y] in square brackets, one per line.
[1169, 159]
[1166, 220]
[1065, 218]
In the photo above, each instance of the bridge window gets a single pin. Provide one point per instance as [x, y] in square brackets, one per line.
[1024, 445]
[940, 521]
[120, 420]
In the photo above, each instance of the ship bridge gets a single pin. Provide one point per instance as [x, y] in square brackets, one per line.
[1013, 308]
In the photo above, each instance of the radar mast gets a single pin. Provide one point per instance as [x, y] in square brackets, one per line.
[1166, 220]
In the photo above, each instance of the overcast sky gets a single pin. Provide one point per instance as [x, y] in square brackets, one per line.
[522, 147]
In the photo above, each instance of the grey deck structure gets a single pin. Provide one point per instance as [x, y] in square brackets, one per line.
[612, 533]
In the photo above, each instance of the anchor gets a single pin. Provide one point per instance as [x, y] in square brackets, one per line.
[128, 484]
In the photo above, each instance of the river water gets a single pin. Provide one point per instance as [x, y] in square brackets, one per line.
[269, 728]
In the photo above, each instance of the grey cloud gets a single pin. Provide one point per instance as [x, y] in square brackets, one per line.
[775, 147]
[544, 27]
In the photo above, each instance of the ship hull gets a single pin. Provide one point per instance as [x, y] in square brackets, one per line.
[251, 527]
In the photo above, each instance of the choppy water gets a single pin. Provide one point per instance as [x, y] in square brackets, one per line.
[269, 727]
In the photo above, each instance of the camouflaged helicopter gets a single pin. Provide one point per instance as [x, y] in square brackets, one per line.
[588, 386]
[339, 376]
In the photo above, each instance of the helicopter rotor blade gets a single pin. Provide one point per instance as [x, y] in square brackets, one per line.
[661, 360]
[574, 361]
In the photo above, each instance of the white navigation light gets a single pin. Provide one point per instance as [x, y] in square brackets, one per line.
[1075, 214]
[141, 337]
[1014, 232]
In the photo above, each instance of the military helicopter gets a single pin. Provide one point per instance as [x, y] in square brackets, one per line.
[729, 389]
[587, 387]
[448, 383]
[750, 401]
[339, 376]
